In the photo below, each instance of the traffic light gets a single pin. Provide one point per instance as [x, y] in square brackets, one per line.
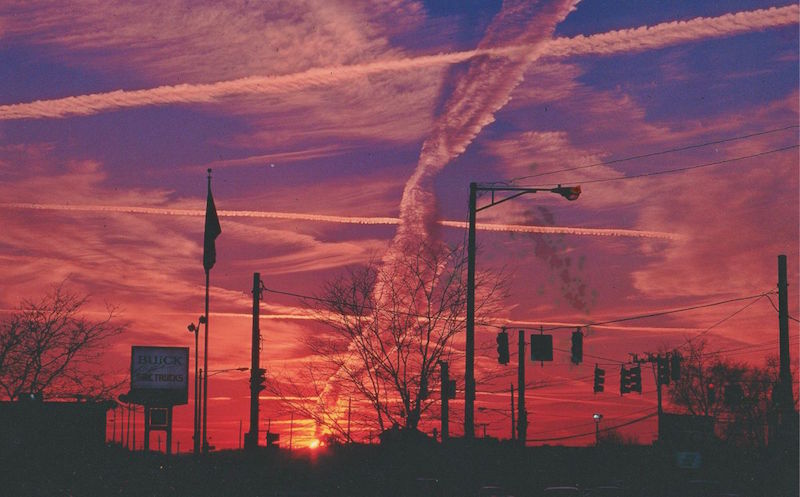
[635, 378]
[624, 381]
[502, 347]
[259, 380]
[599, 379]
[675, 366]
[663, 370]
[577, 346]
[451, 389]
[712, 392]
[541, 347]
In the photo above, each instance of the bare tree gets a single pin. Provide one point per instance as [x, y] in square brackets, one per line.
[46, 346]
[736, 395]
[388, 325]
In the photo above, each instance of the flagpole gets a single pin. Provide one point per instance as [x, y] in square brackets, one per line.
[205, 364]
[205, 349]
[210, 233]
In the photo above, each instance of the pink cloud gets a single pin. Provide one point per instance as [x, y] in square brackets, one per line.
[332, 72]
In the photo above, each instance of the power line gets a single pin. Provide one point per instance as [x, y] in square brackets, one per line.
[687, 168]
[589, 423]
[554, 328]
[581, 435]
[655, 314]
[654, 154]
[778, 311]
[689, 341]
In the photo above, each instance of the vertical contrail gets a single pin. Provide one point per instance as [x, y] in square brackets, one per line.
[484, 88]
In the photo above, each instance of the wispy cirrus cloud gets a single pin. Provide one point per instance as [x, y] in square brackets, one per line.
[630, 40]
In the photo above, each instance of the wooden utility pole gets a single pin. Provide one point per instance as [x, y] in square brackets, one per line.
[513, 425]
[522, 418]
[445, 374]
[349, 414]
[251, 439]
[784, 394]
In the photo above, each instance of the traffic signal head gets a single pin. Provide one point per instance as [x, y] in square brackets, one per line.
[502, 347]
[624, 381]
[663, 370]
[636, 379]
[259, 380]
[577, 346]
[599, 379]
[675, 366]
[712, 392]
[541, 347]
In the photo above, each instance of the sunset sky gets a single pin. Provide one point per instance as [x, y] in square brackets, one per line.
[331, 125]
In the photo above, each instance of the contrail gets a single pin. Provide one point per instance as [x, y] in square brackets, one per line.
[671, 33]
[484, 89]
[627, 40]
[292, 216]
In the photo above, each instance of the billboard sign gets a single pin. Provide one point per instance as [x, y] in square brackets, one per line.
[159, 375]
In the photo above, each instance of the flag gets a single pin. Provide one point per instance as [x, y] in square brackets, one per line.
[212, 231]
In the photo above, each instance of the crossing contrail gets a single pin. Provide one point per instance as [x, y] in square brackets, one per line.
[626, 40]
[293, 216]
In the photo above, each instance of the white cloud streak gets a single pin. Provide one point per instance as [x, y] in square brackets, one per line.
[484, 89]
[671, 33]
[291, 216]
[621, 41]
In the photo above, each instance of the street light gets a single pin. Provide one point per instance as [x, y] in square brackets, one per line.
[597, 417]
[569, 193]
[196, 434]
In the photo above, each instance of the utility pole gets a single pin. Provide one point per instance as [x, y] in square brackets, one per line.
[349, 413]
[469, 367]
[522, 430]
[784, 395]
[659, 359]
[251, 439]
[513, 424]
[445, 374]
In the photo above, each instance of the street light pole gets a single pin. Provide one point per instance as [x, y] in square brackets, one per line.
[469, 368]
[570, 193]
[196, 433]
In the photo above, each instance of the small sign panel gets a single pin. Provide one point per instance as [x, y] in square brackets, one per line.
[159, 375]
[541, 347]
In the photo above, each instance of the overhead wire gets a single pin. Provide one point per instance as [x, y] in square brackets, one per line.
[655, 314]
[606, 360]
[778, 311]
[685, 168]
[695, 337]
[654, 154]
[603, 430]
